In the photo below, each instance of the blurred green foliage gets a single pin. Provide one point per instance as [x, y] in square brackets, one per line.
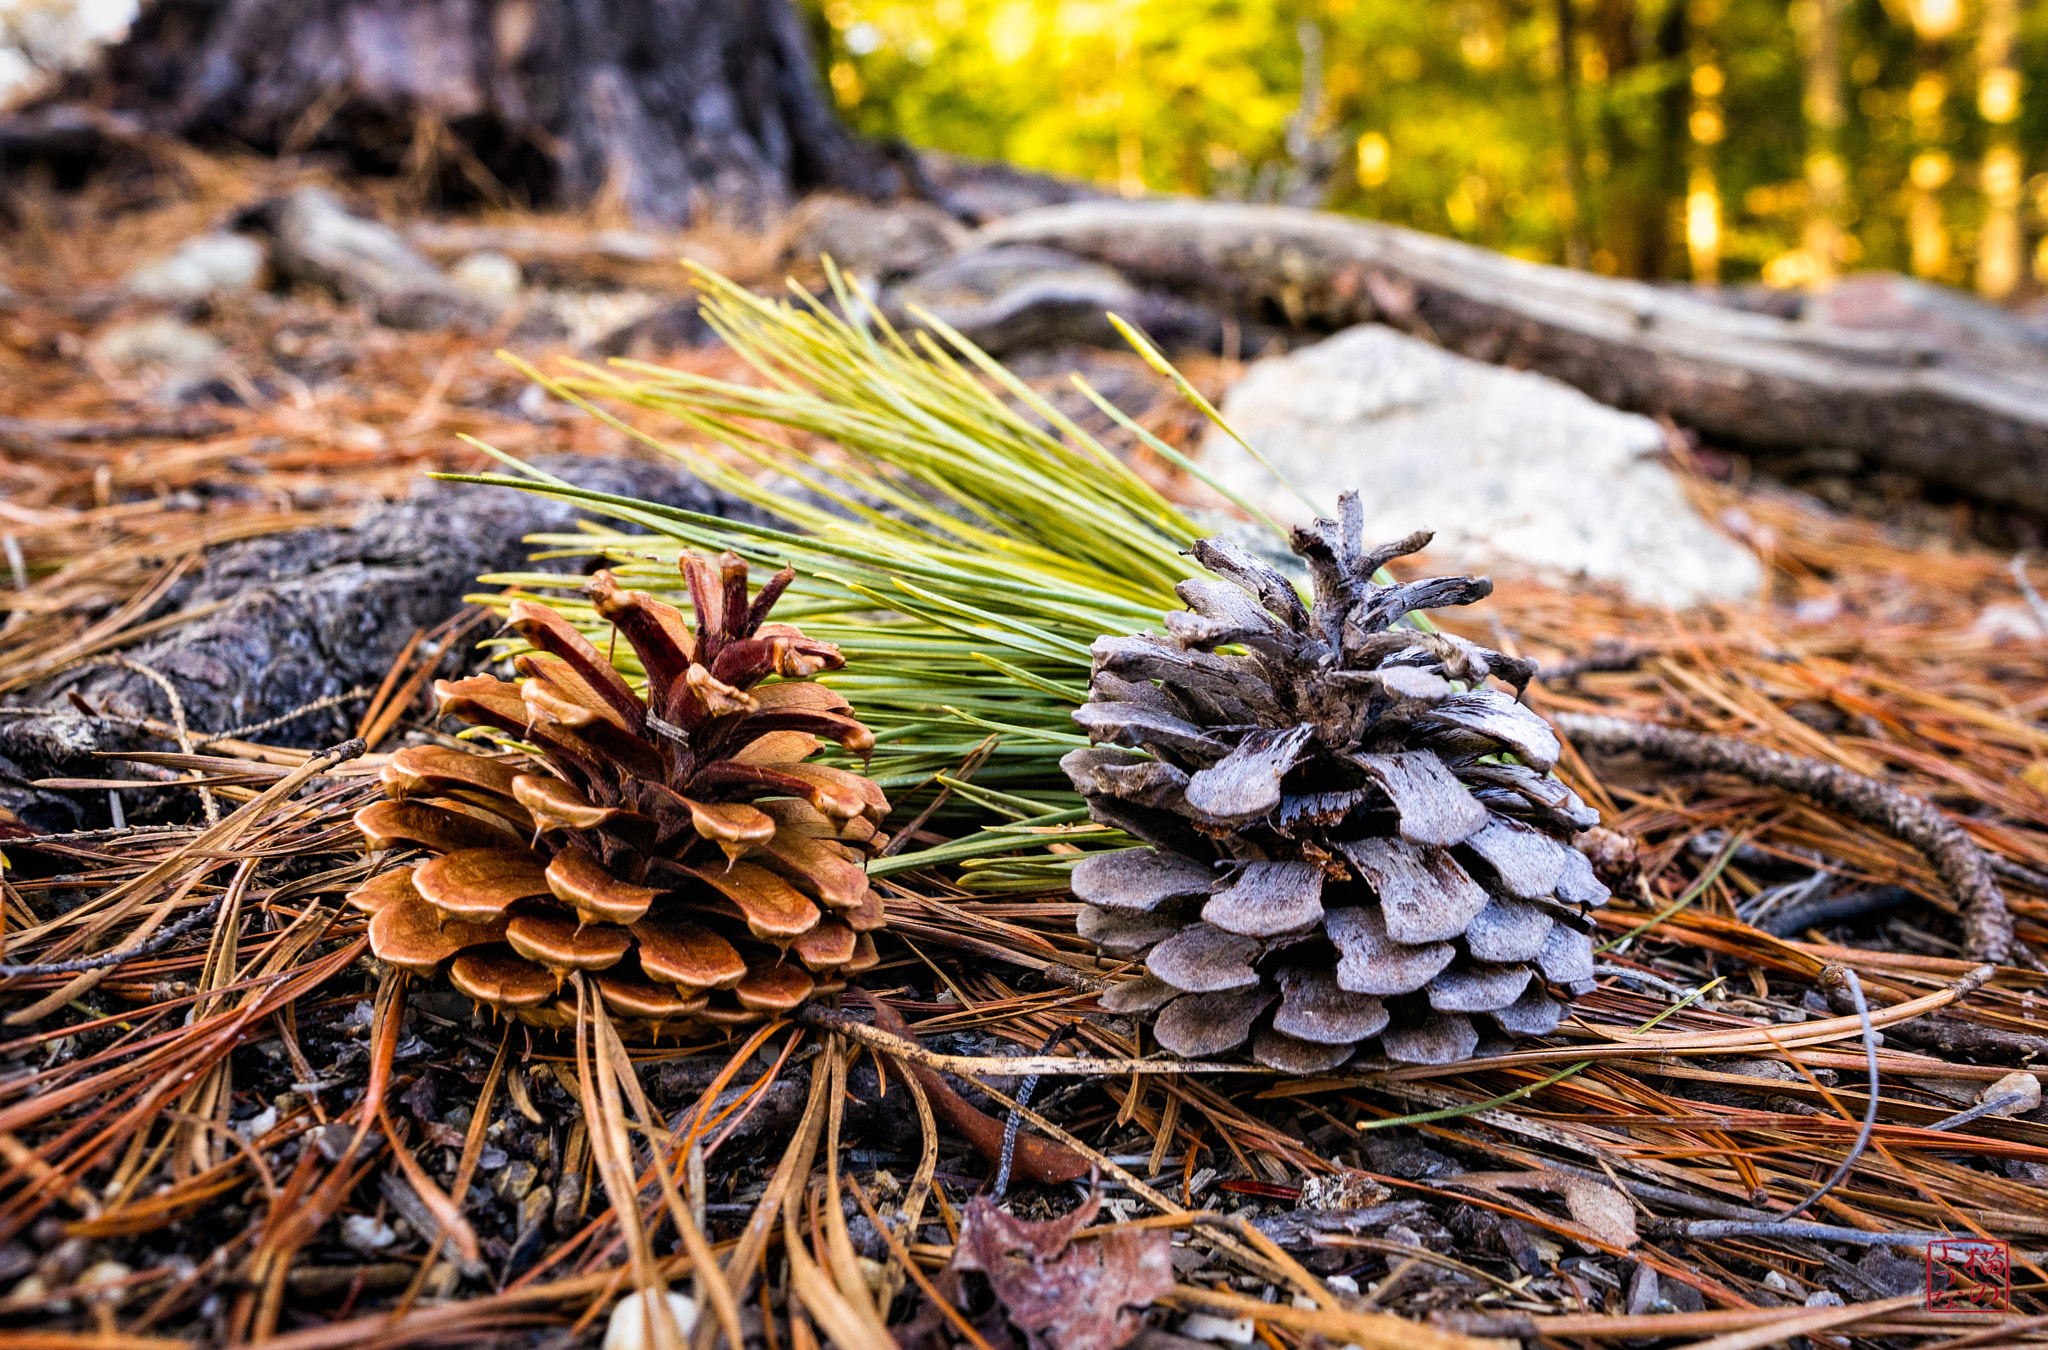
[1450, 115]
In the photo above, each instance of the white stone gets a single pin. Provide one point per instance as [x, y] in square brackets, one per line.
[1222, 1330]
[631, 1326]
[2016, 1093]
[101, 1282]
[366, 1234]
[209, 264]
[2008, 619]
[258, 1125]
[1515, 472]
[488, 275]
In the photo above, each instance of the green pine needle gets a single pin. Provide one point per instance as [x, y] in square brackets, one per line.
[964, 544]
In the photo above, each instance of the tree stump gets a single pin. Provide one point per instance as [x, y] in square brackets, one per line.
[674, 110]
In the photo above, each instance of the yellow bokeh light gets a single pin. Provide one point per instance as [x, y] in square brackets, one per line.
[1998, 95]
[1375, 160]
[846, 84]
[1792, 270]
[1936, 18]
[1931, 168]
[1928, 93]
[2001, 174]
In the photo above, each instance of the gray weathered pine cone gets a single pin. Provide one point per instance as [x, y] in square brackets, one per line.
[1351, 836]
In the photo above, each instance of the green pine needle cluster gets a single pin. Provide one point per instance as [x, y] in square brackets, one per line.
[963, 544]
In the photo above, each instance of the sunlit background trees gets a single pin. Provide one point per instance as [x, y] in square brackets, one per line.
[1713, 140]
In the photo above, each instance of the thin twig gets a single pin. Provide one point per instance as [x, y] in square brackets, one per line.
[1812, 1232]
[1962, 866]
[115, 958]
[317, 705]
[1977, 1112]
[1870, 1108]
[1013, 1120]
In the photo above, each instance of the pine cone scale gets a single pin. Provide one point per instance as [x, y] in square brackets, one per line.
[1314, 1008]
[561, 944]
[1424, 895]
[1245, 784]
[1206, 960]
[1434, 807]
[480, 884]
[436, 823]
[1269, 899]
[1199, 1025]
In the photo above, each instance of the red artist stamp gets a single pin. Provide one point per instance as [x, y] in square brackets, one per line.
[1969, 1275]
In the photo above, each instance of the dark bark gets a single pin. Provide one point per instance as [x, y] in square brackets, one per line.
[308, 616]
[1955, 404]
[670, 108]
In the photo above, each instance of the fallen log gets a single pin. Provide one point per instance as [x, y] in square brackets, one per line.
[1969, 414]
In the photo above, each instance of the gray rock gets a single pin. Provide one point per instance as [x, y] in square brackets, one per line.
[320, 243]
[209, 264]
[159, 342]
[677, 326]
[1514, 471]
[875, 241]
[1018, 297]
[587, 319]
[169, 356]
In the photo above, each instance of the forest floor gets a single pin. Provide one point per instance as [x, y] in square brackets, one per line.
[184, 1157]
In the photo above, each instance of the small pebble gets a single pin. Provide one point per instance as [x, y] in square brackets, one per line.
[366, 1234]
[106, 1273]
[31, 1289]
[2016, 1093]
[631, 1325]
[258, 1125]
[517, 1181]
[1221, 1330]
[534, 1210]
[488, 275]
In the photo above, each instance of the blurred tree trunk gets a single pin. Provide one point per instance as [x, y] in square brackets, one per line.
[1704, 126]
[1627, 198]
[1576, 253]
[1819, 31]
[668, 110]
[2000, 248]
[1934, 21]
[1669, 159]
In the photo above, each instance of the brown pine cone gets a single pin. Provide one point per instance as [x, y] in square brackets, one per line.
[1351, 835]
[675, 848]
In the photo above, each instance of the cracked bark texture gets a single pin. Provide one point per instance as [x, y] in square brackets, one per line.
[670, 108]
[308, 615]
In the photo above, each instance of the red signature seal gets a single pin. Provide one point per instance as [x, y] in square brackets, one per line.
[1969, 1275]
